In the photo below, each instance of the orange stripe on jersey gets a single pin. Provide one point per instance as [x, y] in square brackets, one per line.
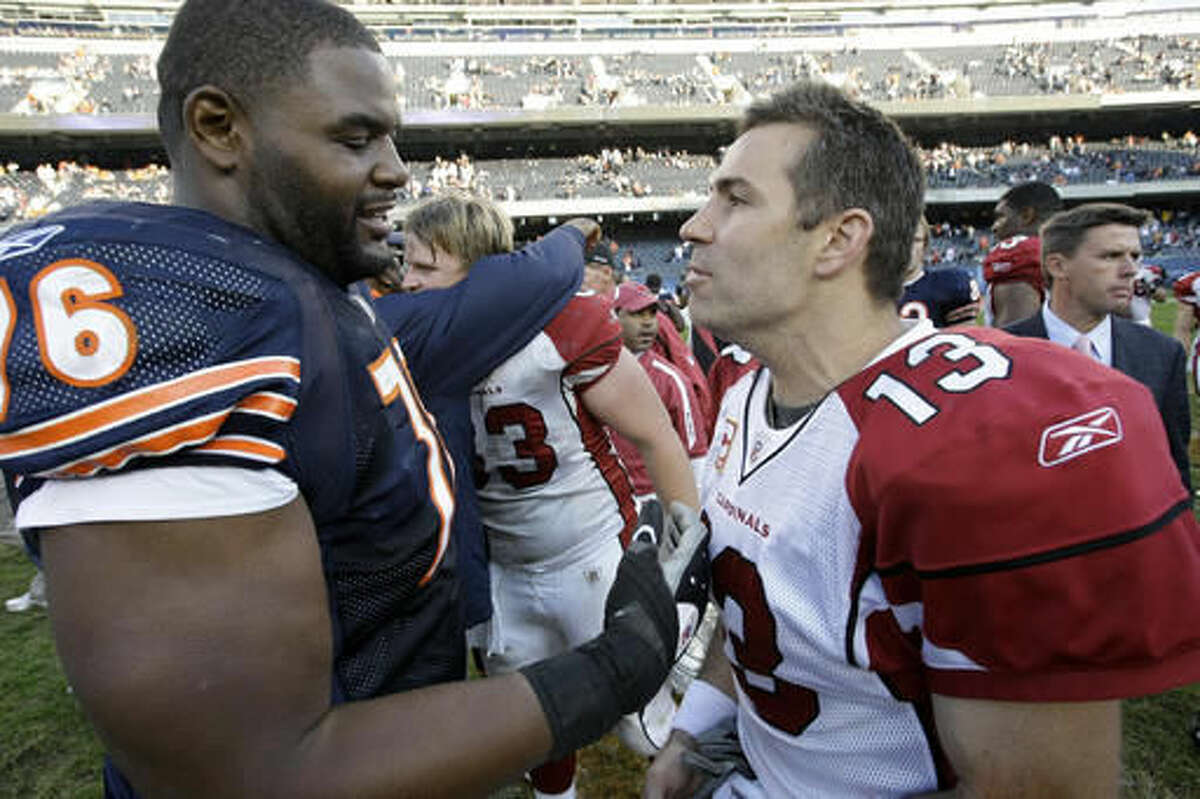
[8, 320]
[385, 371]
[439, 467]
[268, 403]
[143, 402]
[160, 442]
[245, 446]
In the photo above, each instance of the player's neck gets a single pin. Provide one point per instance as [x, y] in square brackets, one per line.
[230, 206]
[808, 363]
[1078, 318]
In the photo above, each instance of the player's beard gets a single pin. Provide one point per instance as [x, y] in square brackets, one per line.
[296, 212]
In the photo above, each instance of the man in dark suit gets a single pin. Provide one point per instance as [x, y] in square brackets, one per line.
[1090, 255]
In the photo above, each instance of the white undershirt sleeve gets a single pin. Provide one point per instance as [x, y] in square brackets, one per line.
[160, 494]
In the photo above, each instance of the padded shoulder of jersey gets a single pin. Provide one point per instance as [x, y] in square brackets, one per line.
[1185, 288]
[1014, 258]
[976, 446]
[586, 324]
[136, 330]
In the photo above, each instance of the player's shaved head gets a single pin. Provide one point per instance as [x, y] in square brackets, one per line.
[1041, 199]
[246, 48]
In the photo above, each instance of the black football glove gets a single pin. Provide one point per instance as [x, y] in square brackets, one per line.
[585, 691]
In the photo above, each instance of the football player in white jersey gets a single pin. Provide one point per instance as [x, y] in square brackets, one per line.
[915, 598]
[556, 503]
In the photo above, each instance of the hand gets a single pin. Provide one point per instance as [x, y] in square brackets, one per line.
[669, 777]
[640, 608]
[584, 691]
[963, 313]
[590, 229]
[684, 549]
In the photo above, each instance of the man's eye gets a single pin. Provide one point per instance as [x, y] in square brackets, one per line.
[356, 142]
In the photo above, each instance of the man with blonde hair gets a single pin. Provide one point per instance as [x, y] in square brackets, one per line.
[452, 340]
[556, 502]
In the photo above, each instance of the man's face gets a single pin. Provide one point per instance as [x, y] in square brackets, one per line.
[1007, 221]
[1098, 278]
[323, 171]
[429, 266]
[750, 258]
[638, 328]
[598, 277]
[916, 255]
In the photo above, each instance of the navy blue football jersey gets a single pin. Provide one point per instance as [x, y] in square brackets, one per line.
[138, 336]
[454, 338]
[937, 293]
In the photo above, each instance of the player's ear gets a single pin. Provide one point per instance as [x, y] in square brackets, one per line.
[212, 121]
[849, 236]
[1053, 264]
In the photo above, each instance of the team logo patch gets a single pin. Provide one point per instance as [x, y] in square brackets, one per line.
[28, 241]
[729, 428]
[1070, 439]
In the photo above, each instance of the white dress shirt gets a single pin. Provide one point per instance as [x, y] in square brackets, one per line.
[1062, 333]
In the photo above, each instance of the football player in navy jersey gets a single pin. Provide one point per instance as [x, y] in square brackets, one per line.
[241, 504]
[948, 296]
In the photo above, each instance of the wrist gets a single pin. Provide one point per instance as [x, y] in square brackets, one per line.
[704, 706]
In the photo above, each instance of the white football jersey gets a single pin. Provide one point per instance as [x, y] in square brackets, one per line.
[551, 480]
[897, 542]
[804, 711]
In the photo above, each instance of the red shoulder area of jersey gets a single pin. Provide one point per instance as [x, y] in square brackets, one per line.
[585, 323]
[1015, 259]
[1186, 287]
[977, 446]
[667, 378]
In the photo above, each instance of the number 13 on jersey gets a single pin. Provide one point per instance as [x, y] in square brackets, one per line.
[986, 362]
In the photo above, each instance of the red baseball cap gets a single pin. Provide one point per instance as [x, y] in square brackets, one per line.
[633, 297]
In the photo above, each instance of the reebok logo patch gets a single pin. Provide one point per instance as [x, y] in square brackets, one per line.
[1070, 439]
[27, 241]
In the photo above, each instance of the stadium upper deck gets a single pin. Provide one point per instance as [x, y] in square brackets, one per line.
[563, 82]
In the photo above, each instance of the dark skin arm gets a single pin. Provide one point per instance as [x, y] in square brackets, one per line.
[201, 651]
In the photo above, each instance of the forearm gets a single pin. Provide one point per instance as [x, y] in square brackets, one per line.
[670, 470]
[711, 698]
[207, 675]
[1184, 322]
[715, 670]
[458, 739]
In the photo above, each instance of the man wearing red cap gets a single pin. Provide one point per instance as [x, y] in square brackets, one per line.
[637, 310]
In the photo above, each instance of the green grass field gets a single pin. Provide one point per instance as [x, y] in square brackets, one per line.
[47, 750]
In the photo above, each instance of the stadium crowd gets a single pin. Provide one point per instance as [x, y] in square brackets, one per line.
[255, 371]
[637, 172]
[87, 80]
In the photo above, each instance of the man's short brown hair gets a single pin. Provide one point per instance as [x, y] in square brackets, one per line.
[1062, 233]
[858, 158]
